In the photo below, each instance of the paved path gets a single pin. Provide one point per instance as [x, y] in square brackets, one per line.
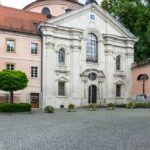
[120, 129]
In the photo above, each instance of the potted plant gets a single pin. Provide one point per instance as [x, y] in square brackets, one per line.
[92, 107]
[49, 109]
[71, 108]
[110, 106]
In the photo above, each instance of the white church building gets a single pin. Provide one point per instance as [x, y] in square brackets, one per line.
[87, 57]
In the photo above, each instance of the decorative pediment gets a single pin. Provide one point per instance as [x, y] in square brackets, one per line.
[100, 73]
[120, 74]
[63, 79]
[121, 82]
[49, 45]
[63, 46]
[66, 19]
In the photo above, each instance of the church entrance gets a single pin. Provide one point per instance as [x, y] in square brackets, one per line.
[92, 94]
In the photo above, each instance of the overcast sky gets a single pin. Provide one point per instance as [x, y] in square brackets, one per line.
[22, 3]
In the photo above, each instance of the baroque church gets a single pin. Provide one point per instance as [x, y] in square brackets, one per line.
[71, 53]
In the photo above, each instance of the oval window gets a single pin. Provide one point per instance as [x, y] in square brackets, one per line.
[92, 76]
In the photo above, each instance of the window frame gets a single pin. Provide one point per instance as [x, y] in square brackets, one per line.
[118, 93]
[34, 75]
[64, 89]
[92, 48]
[67, 10]
[37, 48]
[33, 96]
[10, 64]
[10, 51]
[42, 11]
[64, 57]
[118, 66]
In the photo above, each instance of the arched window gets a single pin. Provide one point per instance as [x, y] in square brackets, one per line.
[118, 62]
[61, 56]
[91, 48]
[68, 10]
[46, 11]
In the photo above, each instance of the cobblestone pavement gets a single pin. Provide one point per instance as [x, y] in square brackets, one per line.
[120, 129]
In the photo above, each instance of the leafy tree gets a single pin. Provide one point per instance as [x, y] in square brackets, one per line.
[11, 80]
[135, 16]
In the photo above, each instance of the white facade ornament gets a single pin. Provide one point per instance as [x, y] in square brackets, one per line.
[49, 45]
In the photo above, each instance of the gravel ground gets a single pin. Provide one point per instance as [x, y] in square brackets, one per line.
[120, 129]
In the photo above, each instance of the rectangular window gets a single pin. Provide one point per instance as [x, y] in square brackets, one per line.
[10, 45]
[10, 66]
[61, 88]
[34, 97]
[34, 72]
[118, 90]
[34, 48]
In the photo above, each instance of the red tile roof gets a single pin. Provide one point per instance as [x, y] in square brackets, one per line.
[17, 20]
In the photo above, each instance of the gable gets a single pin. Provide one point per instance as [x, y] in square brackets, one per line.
[103, 22]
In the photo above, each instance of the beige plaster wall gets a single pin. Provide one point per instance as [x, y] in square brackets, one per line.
[23, 60]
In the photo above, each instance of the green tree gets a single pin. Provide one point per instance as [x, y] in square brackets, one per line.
[135, 16]
[11, 80]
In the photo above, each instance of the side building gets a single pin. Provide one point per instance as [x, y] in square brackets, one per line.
[20, 49]
[141, 79]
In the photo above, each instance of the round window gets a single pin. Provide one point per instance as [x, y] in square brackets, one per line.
[92, 76]
[92, 17]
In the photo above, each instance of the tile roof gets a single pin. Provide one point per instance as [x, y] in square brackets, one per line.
[17, 20]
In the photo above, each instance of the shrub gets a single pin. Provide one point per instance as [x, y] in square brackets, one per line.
[92, 107]
[110, 106]
[49, 109]
[142, 105]
[9, 107]
[71, 107]
[131, 105]
[121, 105]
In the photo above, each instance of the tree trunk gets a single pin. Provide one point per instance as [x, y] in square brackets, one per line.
[11, 96]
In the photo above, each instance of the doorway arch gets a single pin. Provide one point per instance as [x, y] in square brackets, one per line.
[92, 96]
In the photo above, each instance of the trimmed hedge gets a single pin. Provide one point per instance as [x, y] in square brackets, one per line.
[121, 105]
[134, 105]
[142, 105]
[21, 107]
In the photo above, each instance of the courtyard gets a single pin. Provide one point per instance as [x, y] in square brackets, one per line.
[120, 129]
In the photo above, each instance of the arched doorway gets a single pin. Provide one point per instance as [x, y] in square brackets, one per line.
[92, 94]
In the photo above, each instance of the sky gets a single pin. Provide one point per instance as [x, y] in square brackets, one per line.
[21, 3]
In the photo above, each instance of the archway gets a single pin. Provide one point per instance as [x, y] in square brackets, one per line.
[92, 94]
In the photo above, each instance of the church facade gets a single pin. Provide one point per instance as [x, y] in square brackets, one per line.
[86, 55]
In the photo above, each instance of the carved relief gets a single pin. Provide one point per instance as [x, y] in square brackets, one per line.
[50, 45]
[109, 52]
[75, 46]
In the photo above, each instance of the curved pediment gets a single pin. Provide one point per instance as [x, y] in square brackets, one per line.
[63, 79]
[99, 73]
[121, 82]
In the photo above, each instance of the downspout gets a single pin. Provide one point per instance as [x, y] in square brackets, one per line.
[41, 71]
